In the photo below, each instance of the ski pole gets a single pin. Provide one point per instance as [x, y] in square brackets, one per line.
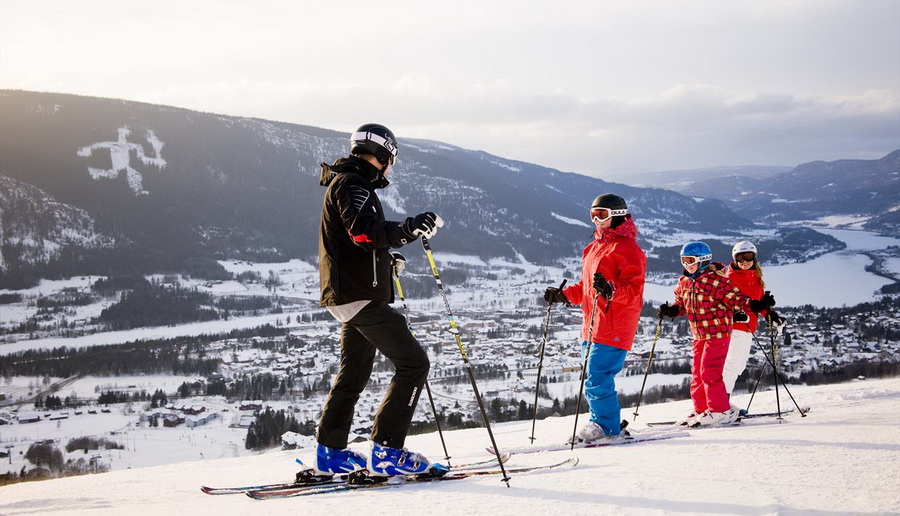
[787, 343]
[541, 362]
[774, 364]
[587, 356]
[778, 376]
[427, 388]
[465, 357]
[647, 371]
[762, 370]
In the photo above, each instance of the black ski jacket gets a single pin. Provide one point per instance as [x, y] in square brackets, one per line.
[354, 237]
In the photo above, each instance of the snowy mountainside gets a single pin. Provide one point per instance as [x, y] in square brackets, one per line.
[869, 188]
[840, 459]
[35, 227]
[174, 186]
[866, 189]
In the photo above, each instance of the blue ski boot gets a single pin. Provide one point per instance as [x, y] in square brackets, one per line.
[384, 461]
[333, 461]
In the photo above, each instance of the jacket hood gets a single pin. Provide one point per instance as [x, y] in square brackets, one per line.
[354, 165]
[627, 229]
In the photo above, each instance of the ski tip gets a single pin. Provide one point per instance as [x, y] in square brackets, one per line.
[504, 456]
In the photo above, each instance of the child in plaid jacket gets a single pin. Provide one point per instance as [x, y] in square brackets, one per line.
[705, 294]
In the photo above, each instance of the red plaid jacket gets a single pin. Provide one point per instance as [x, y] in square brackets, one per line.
[709, 301]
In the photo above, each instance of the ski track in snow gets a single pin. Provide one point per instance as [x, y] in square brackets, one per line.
[842, 459]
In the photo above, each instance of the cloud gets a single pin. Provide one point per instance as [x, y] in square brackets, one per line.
[589, 87]
[684, 126]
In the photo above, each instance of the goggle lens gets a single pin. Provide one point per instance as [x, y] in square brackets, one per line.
[603, 214]
[600, 213]
[745, 257]
[691, 260]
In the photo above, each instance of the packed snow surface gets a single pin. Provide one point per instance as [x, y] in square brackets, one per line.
[842, 459]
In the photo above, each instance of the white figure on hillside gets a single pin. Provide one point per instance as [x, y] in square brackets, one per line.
[120, 155]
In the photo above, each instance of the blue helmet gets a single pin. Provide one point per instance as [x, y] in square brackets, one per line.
[699, 251]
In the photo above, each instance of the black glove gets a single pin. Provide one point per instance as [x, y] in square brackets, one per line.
[602, 286]
[667, 310]
[423, 224]
[776, 319]
[776, 322]
[398, 263]
[740, 317]
[555, 295]
[766, 301]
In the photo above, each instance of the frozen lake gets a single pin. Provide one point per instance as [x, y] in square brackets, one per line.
[833, 280]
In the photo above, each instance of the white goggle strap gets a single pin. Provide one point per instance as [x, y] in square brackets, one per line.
[377, 138]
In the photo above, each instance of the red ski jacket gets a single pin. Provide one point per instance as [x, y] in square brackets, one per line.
[616, 254]
[749, 282]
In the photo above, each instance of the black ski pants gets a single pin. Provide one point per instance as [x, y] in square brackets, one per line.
[375, 327]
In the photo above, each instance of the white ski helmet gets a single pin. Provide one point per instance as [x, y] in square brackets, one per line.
[744, 246]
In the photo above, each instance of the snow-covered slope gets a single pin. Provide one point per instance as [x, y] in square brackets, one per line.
[843, 458]
[36, 228]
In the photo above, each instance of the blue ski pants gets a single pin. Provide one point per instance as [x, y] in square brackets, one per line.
[603, 365]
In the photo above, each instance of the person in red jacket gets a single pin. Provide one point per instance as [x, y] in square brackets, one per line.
[746, 274]
[709, 299]
[610, 293]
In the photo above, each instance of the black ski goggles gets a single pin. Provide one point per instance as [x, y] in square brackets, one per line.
[747, 256]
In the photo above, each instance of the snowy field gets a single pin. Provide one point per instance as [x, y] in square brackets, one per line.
[143, 445]
[832, 280]
[146, 446]
[845, 282]
[842, 459]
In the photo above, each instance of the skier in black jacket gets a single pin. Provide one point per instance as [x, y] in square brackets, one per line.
[355, 268]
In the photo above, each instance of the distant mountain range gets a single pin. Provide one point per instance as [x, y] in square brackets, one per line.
[695, 181]
[868, 190]
[105, 186]
[852, 187]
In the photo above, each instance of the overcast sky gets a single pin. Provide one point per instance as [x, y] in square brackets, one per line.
[587, 86]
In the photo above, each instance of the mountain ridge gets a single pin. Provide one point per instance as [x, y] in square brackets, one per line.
[172, 186]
